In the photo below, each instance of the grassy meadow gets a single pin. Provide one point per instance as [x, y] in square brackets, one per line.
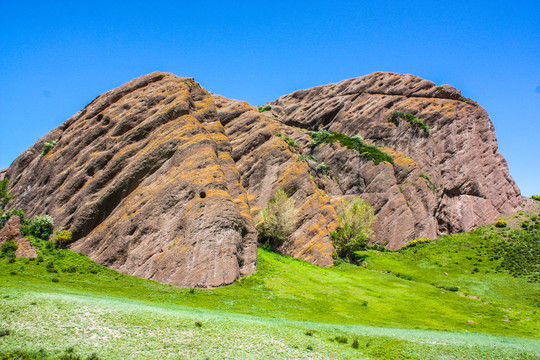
[467, 296]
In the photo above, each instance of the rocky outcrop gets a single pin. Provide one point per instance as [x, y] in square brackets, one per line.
[160, 179]
[11, 231]
[449, 181]
[266, 163]
[25, 249]
[144, 179]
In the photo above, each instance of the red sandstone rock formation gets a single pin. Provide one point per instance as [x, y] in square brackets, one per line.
[162, 180]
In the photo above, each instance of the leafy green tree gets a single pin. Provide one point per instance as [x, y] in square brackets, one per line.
[356, 219]
[278, 220]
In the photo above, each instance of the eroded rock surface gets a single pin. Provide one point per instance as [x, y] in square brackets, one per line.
[451, 181]
[11, 230]
[162, 180]
[143, 177]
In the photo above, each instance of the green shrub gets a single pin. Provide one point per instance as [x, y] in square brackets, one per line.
[404, 276]
[291, 142]
[50, 268]
[5, 332]
[501, 224]
[451, 288]
[396, 115]
[40, 227]
[5, 196]
[416, 242]
[370, 152]
[536, 197]
[198, 324]
[340, 339]
[323, 168]
[48, 145]
[277, 220]
[355, 344]
[356, 219]
[62, 239]
[9, 248]
[264, 108]
[439, 87]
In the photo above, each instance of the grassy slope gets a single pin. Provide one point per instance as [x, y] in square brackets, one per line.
[268, 313]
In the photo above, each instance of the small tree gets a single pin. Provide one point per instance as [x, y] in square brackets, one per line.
[5, 196]
[277, 220]
[356, 219]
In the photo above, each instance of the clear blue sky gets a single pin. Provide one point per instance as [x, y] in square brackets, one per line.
[56, 56]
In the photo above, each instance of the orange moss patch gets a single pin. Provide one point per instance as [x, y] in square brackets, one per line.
[399, 158]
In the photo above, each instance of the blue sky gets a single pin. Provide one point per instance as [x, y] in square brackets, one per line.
[57, 56]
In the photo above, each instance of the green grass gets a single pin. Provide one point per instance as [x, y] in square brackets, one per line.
[400, 305]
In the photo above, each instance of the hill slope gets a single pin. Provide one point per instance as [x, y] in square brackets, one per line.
[290, 307]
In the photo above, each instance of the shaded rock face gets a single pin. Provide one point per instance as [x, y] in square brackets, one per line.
[143, 177]
[162, 180]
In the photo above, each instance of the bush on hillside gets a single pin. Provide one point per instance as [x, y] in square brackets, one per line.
[8, 248]
[62, 239]
[40, 227]
[416, 242]
[277, 220]
[536, 197]
[501, 224]
[356, 219]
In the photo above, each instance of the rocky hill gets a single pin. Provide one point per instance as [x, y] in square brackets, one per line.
[163, 180]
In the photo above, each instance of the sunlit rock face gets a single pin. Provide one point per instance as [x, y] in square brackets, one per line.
[160, 179]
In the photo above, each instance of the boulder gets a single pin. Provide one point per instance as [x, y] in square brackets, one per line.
[11, 230]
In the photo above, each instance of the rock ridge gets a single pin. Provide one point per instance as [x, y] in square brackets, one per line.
[160, 179]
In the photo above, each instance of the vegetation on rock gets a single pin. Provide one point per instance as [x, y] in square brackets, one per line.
[430, 183]
[5, 196]
[264, 108]
[356, 142]
[396, 115]
[48, 145]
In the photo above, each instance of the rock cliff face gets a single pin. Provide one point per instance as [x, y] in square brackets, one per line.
[449, 181]
[162, 180]
[144, 178]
